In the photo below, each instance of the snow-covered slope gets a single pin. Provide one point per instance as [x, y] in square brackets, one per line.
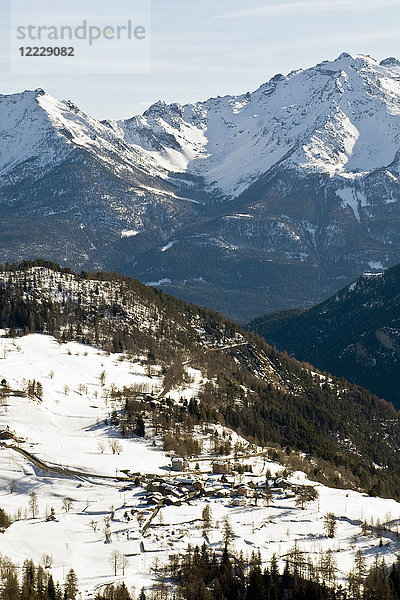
[41, 131]
[67, 429]
[119, 314]
[341, 117]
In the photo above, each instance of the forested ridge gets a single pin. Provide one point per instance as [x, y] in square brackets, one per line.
[354, 333]
[350, 436]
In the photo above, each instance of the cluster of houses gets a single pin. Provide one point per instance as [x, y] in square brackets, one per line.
[221, 483]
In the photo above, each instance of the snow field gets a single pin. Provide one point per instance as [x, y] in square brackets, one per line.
[68, 429]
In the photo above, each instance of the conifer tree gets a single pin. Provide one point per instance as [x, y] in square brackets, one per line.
[28, 587]
[71, 586]
[206, 517]
[377, 583]
[142, 595]
[227, 532]
[268, 494]
[51, 589]
[41, 580]
[330, 524]
[10, 584]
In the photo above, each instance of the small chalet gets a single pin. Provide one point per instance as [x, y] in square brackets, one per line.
[243, 490]
[198, 485]
[177, 464]
[221, 467]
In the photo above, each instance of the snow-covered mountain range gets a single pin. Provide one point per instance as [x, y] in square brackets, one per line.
[248, 203]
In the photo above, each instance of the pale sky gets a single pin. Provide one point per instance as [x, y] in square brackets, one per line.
[207, 48]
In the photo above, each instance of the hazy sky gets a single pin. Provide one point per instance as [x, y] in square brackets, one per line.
[209, 47]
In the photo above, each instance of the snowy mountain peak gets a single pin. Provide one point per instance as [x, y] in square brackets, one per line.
[390, 62]
[340, 117]
[355, 61]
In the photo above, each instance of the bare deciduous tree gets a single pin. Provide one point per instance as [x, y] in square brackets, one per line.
[33, 504]
[124, 563]
[67, 504]
[140, 519]
[115, 446]
[93, 524]
[115, 560]
[47, 561]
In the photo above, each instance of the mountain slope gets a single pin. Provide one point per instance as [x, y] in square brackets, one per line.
[338, 118]
[266, 200]
[354, 334]
[91, 499]
[264, 395]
